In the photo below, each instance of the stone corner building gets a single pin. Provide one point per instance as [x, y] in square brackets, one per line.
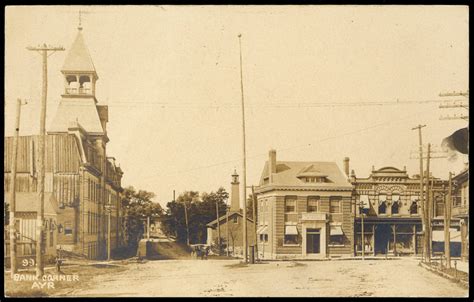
[305, 210]
[78, 171]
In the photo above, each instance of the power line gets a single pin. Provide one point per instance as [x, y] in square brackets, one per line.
[288, 148]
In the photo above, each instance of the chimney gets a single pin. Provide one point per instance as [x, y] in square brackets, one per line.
[346, 166]
[235, 193]
[271, 163]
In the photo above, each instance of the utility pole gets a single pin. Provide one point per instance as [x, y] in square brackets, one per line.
[175, 220]
[227, 228]
[447, 222]
[148, 227]
[254, 216]
[428, 207]
[108, 208]
[13, 264]
[422, 205]
[218, 228]
[43, 50]
[244, 168]
[455, 104]
[187, 224]
[361, 207]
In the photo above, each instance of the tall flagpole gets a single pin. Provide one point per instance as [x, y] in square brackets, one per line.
[244, 168]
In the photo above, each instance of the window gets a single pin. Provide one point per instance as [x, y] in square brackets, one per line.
[313, 204]
[263, 237]
[382, 204]
[396, 204]
[336, 240]
[439, 207]
[290, 205]
[235, 219]
[414, 207]
[334, 204]
[383, 208]
[336, 235]
[67, 228]
[290, 210]
[364, 204]
[291, 235]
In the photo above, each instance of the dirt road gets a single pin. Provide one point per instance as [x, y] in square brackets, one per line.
[379, 278]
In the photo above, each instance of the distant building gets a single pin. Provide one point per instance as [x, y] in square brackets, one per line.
[304, 210]
[231, 224]
[460, 208]
[79, 173]
[390, 200]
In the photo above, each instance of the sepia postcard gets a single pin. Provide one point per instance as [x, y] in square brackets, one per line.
[236, 151]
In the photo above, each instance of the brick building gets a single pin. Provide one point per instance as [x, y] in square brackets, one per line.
[79, 173]
[389, 199]
[304, 210]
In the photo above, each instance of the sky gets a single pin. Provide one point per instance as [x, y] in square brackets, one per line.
[171, 78]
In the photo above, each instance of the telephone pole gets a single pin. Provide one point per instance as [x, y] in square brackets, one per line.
[13, 264]
[422, 205]
[428, 207]
[218, 228]
[244, 168]
[187, 224]
[254, 216]
[43, 50]
[455, 104]
[447, 222]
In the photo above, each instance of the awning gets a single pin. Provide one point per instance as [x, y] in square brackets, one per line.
[291, 230]
[364, 201]
[395, 198]
[336, 230]
[414, 198]
[262, 229]
[438, 236]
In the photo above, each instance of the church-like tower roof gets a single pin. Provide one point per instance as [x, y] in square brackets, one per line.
[78, 57]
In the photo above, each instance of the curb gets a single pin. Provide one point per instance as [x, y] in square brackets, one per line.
[447, 276]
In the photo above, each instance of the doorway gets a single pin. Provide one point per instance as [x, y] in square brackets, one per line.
[383, 234]
[313, 237]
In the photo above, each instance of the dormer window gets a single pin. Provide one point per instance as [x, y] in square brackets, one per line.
[314, 179]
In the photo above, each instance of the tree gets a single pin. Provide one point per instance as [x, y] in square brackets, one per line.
[250, 207]
[138, 205]
[201, 209]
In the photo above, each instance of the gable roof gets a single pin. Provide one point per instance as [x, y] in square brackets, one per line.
[290, 173]
[28, 202]
[82, 110]
[224, 217]
[78, 57]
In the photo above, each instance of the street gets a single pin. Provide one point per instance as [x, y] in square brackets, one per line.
[382, 278]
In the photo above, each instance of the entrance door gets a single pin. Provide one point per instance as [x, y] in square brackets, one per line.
[383, 235]
[313, 241]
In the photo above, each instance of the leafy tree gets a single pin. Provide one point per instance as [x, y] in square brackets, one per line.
[250, 207]
[201, 210]
[138, 205]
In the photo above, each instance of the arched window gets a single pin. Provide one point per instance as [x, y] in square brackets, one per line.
[414, 207]
[383, 208]
[395, 207]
